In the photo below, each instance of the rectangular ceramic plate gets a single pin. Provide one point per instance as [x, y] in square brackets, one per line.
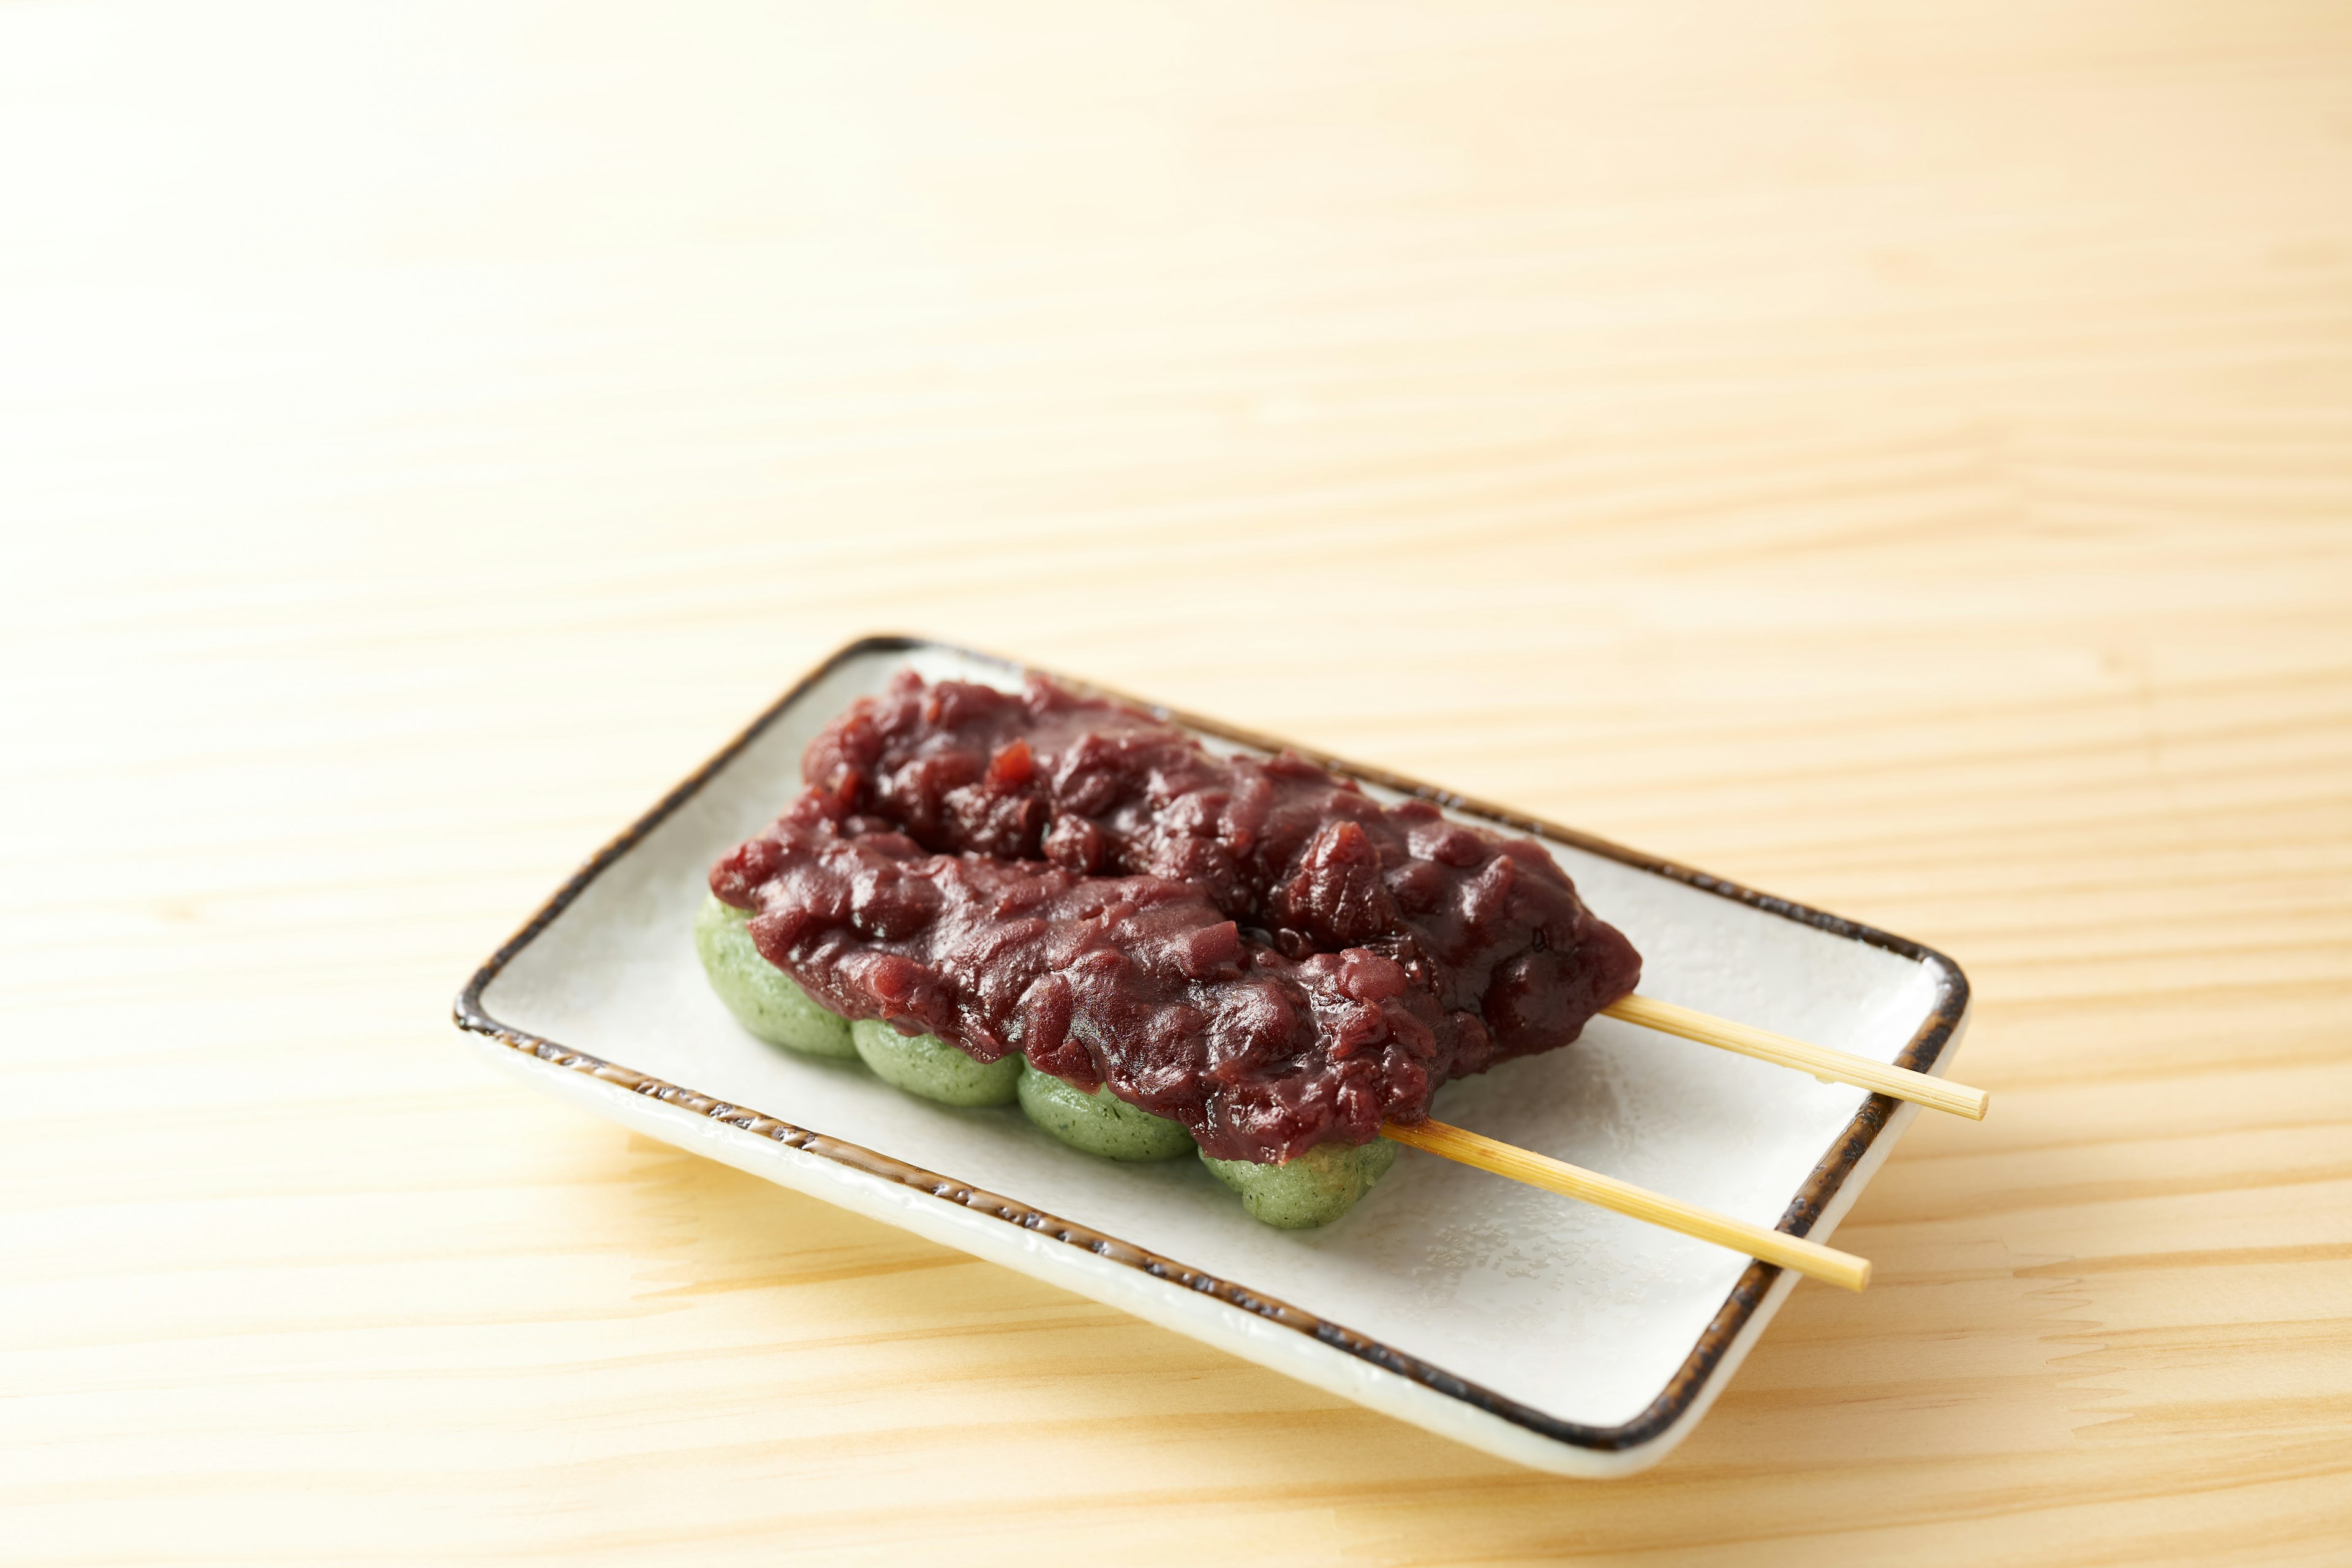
[1535, 1328]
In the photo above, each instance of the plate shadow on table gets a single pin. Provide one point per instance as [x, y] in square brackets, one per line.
[1960, 1348]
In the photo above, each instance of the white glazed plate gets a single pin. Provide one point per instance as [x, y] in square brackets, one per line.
[1535, 1328]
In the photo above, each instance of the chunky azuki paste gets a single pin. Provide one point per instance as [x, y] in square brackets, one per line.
[1254, 948]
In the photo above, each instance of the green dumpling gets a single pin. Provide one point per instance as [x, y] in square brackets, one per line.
[1313, 1189]
[769, 1001]
[929, 1066]
[1100, 1122]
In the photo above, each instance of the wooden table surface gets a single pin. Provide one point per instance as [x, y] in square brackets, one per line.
[1896, 456]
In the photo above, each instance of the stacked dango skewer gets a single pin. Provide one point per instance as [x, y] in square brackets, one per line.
[980, 864]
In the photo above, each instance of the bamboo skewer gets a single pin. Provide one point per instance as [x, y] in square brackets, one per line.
[1810, 1259]
[1843, 1066]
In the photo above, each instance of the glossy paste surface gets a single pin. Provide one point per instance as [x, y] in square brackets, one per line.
[1256, 949]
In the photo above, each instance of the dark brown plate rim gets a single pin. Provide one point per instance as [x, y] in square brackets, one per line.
[1820, 1188]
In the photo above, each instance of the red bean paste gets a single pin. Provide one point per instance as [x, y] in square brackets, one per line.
[1254, 947]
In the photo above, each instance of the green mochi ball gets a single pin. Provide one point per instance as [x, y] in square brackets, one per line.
[1100, 1122]
[929, 1066]
[767, 1001]
[1313, 1189]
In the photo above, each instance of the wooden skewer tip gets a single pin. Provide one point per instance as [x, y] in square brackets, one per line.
[1810, 1259]
[1829, 1066]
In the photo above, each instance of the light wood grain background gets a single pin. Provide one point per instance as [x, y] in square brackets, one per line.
[1899, 456]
